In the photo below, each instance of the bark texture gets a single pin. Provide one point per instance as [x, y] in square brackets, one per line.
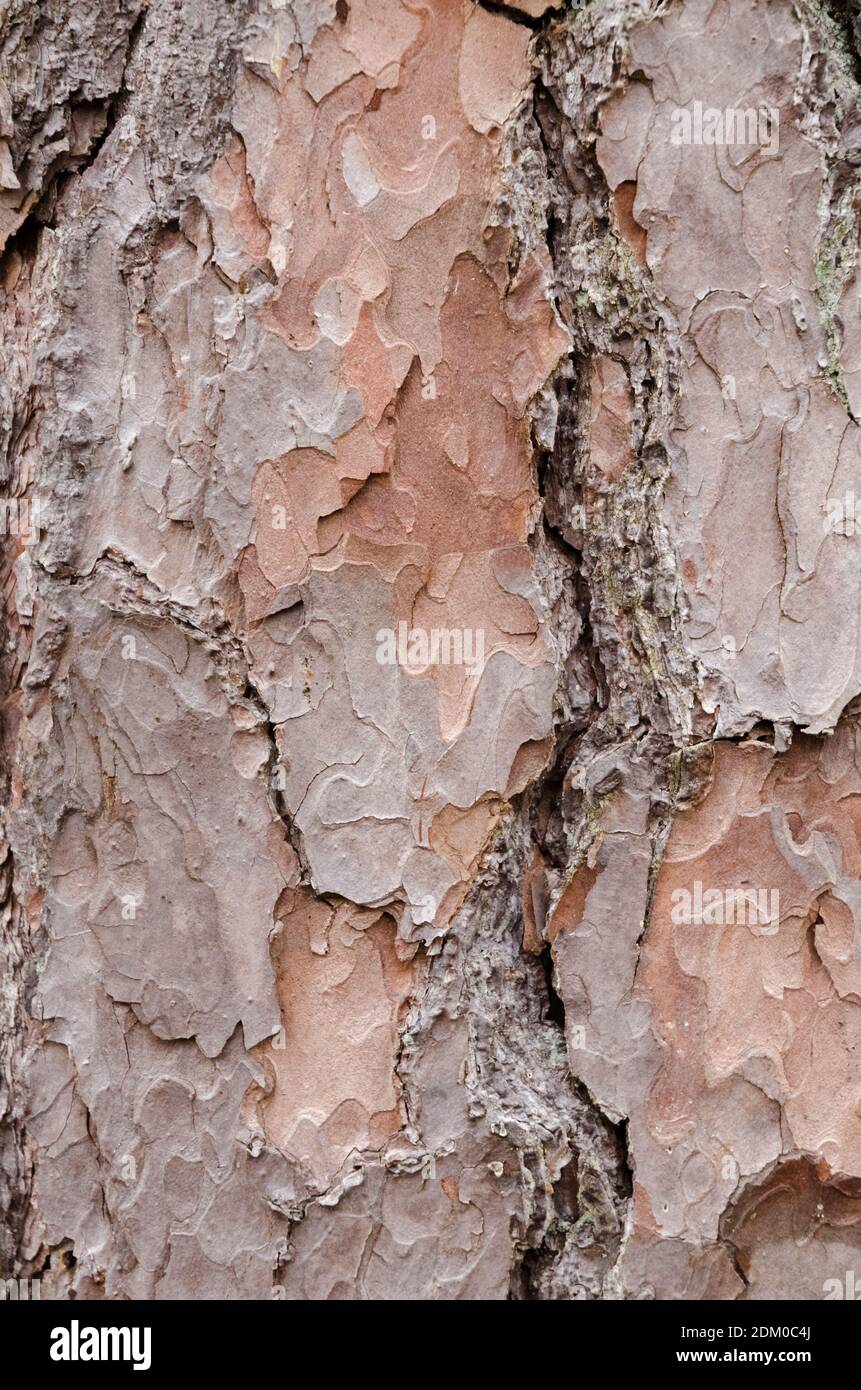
[336, 967]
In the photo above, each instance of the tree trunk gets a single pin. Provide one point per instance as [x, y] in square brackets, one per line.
[432, 844]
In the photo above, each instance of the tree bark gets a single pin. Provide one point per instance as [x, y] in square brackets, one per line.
[431, 726]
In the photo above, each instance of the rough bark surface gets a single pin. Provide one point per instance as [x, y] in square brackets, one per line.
[334, 973]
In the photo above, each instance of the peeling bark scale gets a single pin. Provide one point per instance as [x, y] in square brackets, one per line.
[430, 438]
